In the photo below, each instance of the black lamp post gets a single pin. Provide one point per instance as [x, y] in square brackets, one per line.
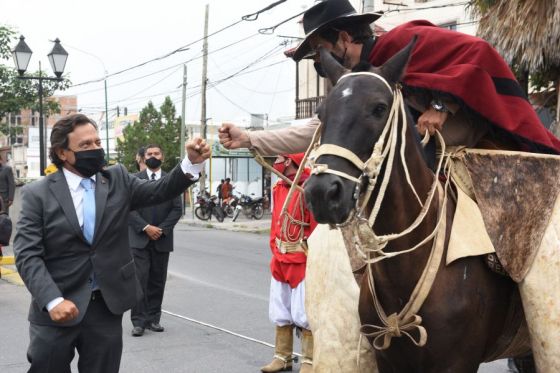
[57, 58]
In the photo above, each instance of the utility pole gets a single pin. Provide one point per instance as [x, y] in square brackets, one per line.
[183, 112]
[183, 122]
[204, 84]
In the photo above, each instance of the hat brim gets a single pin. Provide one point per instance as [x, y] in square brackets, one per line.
[303, 50]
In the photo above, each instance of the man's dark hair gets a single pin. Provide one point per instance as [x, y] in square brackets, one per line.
[360, 32]
[60, 131]
[228, 180]
[153, 146]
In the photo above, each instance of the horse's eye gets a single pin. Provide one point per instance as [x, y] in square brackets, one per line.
[379, 110]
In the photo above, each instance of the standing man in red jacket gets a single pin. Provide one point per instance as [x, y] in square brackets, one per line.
[288, 242]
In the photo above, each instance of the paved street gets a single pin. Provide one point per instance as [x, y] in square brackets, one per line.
[216, 277]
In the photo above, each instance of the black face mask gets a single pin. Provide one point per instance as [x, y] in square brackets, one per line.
[319, 67]
[153, 163]
[89, 162]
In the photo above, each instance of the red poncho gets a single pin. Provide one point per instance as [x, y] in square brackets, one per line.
[290, 267]
[470, 70]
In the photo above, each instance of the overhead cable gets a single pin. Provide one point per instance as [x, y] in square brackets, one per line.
[249, 17]
[254, 16]
[270, 30]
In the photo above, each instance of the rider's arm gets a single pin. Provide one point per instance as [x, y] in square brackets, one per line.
[293, 139]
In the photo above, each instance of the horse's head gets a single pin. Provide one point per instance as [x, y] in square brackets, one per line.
[353, 115]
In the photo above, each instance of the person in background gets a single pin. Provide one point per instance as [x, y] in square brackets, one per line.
[7, 185]
[150, 231]
[140, 164]
[288, 243]
[219, 191]
[72, 248]
[227, 189]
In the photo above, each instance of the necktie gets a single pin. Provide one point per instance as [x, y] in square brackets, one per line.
[154, 212]
[88, 209]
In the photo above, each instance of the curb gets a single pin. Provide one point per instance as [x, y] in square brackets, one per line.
[9, 272]
[236, 227]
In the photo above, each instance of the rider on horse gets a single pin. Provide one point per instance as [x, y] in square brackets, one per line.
[454, 82]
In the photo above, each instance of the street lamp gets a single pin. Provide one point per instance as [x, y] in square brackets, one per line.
[57, 58]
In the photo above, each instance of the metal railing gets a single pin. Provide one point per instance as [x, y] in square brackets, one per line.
[306, 108]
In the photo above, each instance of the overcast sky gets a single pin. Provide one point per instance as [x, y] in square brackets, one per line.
[124, 33]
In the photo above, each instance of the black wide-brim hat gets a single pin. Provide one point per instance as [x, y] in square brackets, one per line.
[325, 13]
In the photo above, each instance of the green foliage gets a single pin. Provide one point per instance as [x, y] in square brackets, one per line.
[17, 94]
[154, 126]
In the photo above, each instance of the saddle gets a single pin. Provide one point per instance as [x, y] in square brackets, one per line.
[515, 193]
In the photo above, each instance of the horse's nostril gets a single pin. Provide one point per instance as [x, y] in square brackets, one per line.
[333, 193]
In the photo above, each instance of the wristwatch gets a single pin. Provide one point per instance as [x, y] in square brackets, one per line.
[439, 106]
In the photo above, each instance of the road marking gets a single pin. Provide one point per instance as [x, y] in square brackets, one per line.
[214, 286]
[222, 330]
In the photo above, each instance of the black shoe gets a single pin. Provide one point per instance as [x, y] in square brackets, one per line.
[155, 327]
[137, 331]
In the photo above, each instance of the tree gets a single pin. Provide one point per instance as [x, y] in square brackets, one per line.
[152, 127]
[17, 94]
[527, 34]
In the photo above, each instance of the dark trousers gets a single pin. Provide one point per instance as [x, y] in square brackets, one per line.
[151, 269]
[98, 340]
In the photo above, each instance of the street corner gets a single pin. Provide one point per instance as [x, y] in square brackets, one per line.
[9, 272]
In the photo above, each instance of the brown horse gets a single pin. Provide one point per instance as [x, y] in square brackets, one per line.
[465, 310]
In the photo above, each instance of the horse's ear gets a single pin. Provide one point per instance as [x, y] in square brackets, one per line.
[393, 70]
[332, 68]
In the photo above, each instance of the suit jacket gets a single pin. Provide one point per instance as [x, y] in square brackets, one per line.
[7, 185]
[52, 255]
[164, 215]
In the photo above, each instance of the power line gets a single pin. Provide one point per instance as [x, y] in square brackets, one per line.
[168, 68]
[426, 7]
[249, 17]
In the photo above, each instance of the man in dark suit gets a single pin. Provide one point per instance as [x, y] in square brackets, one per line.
[72, 249]
[7, 185]
[150, 231]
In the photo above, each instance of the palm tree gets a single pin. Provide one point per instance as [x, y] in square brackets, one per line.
[526, 33]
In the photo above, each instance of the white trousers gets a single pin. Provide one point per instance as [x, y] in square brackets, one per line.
[287, 305]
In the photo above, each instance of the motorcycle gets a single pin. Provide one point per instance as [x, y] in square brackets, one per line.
[206, 206]
[230, 205]
[251, 207]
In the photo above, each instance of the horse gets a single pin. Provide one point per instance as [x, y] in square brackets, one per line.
[463, 315]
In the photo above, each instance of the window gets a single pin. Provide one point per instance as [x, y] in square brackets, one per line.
[450, 26]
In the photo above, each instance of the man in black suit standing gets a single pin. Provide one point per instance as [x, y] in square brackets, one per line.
[150, 231]
[72, 249]
[7, 185]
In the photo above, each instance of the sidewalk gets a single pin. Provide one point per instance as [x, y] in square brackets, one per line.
[242, 224]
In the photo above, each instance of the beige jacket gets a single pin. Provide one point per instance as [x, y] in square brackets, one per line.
[290, 140]
[458, 129]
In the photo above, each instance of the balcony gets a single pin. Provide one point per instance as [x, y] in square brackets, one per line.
[305, 108]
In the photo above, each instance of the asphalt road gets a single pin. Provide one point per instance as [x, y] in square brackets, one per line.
[218, 278]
